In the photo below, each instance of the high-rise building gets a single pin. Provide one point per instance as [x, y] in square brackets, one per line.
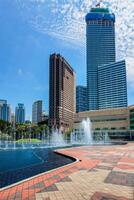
[45, 116]
[100, 36]
[106, 78]
[61, 93]
[20, 114]
[112, 85]
[3, 101]
[5, 111]
[37, 112]
[81, 99]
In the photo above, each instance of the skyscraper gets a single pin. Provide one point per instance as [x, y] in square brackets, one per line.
[112, 85]
[20, 114]
[100, 36]
[81, 98]
[61, 93]
[5, 111]
[37, 112]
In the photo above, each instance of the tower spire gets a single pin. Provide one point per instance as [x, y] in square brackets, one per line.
[98, 5]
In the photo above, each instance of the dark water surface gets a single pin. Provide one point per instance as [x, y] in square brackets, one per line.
[19, 164]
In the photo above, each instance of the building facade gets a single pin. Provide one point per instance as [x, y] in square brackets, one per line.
[20, 114]
[117, 122]
[61, 93]
[45, 116]
[81, 99]
[100, 41]
[132, 118]
[5, 111]
[112, 85]
[37, 112]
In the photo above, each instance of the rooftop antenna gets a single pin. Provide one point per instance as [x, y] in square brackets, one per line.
[98, 5]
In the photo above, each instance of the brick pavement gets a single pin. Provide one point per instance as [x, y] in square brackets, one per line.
[102, 173]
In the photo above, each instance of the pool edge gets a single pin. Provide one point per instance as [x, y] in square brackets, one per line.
[56, 151]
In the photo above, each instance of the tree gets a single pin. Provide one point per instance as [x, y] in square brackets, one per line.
[3, 125]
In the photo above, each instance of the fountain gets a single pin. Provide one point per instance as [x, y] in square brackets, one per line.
[87, 127]
[6, 142]
[57, 138]
[22, 143]
[82, 136]
[106, 137]
[0, 140]
[85, 135]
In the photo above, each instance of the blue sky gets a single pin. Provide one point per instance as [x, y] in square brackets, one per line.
[33, 29]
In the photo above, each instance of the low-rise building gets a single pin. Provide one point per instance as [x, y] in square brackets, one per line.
[117, 122]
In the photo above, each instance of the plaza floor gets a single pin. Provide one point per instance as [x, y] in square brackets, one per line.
[100, 173]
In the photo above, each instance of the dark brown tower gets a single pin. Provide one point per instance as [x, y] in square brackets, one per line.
[61, 93]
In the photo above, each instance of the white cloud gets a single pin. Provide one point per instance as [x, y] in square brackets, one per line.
[130, 71]
[64, 19]
[37, 1]
[25, 74]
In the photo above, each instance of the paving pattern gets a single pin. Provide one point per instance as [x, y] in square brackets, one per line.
[102, 173]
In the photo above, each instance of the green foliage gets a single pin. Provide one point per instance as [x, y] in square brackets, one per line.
[22, 131]
[28, 140]
[4, 125]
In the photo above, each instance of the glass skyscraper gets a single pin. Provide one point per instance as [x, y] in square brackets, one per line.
[5, 111]
[100, 36]
[81, 98]
[37, 112]
[112, 86]
[20, 114]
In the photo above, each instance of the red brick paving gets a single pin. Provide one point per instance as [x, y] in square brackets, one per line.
[89, 158]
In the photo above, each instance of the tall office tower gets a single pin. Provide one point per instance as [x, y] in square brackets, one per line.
[5, 111]
[3, 101]
[81, 99]
[112, 85]
[61, 93]
[20, 114]
[37, 112]
[100, 38]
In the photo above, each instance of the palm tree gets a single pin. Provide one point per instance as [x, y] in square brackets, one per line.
[5, 129]
[21, 130]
